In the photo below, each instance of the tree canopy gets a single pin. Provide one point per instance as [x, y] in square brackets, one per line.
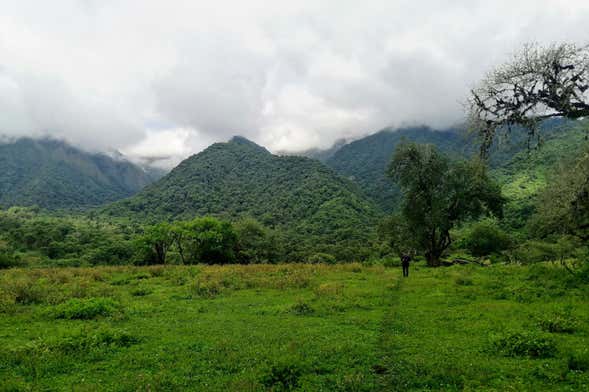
[539, 83]
[439, 193]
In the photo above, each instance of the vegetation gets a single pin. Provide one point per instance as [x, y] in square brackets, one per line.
[294, 327]
[300, 198]
[539, 83]
[54, 175]
[438, 195]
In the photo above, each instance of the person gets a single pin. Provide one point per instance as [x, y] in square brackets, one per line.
[405, 259]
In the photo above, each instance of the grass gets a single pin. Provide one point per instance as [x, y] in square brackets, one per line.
[293, 327]
[233, 328]
[488, 334]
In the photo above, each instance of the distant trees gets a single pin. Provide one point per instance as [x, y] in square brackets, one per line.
[539, 83]
[438, 194]
[563, 206]
[154, 244]
[208, 240]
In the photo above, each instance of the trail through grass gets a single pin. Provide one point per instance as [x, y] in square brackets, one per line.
[293, 327]
[491, 329]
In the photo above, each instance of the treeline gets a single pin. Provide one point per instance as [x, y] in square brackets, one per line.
[32, 238]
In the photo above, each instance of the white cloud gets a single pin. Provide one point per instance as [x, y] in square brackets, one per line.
[165, 78]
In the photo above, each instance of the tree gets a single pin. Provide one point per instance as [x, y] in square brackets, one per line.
[155, 243]
[563, 206]
[255, 243]
[539, 83]
[206, 240]
[438, 194]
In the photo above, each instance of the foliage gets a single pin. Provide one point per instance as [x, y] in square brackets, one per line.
[53, 175]
[486, 237]
[255, 243]
[438, 194]
[85, 309]
[152, 247]
[365, 160]
[299, 198]
[525, 343]
[283, 377]
[321, 258]
[563, 207]
[539, 83]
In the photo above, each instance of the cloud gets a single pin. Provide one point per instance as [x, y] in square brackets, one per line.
[165, 78]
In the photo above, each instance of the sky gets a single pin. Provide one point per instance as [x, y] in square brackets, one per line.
[164, 79]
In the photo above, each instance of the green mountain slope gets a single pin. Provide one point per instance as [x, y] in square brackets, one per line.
[55, 175]
[527, 172]
[317, 210]
[365, 160]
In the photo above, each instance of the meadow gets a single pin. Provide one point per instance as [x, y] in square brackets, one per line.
[346, 327]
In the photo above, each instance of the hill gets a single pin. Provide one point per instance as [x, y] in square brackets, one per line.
[365, 160]
[54, 175]
[527, 172]
[317, 210]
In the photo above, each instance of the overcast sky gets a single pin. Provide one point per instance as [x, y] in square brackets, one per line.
[167, 78]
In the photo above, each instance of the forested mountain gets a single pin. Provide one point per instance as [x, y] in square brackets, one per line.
[319, 153]
[53, 174]
[527, 172]
[315, 208]
[365, 160]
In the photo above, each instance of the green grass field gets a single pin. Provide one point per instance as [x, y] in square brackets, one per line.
[293, 327]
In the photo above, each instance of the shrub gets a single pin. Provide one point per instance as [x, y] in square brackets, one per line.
[302, 308]
[102, 338]
[525, 344]
[558, 323]
[463, 281]
[85, 309]
[282, 377]
[141, 291]
[485, 238]
[26, 291]
[321, 258]
[207, 288]
[579, 361]
[8, 260]
[329, 289]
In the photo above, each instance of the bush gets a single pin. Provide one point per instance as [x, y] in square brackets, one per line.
[282, 377]
[302, 308]
[26, 291]
[485, 238]
[207, 288]
[321, 258]
[102, 338]
[579, 362]
[85, 309]
[9, 260]
[525, 344]
[558, 323]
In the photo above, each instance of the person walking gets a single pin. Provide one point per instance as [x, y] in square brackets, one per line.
[405, 259]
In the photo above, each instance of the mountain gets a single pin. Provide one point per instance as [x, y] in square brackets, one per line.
[54, 175]
[318, 153]
[527, 172]
[365, 160]
[315, 209]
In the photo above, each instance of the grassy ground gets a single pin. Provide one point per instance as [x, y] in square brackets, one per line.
[240, 328]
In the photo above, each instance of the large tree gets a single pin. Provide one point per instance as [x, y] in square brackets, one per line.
[438, 194]
[539, 83]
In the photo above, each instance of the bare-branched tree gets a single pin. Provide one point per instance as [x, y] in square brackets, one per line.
[539, 83]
